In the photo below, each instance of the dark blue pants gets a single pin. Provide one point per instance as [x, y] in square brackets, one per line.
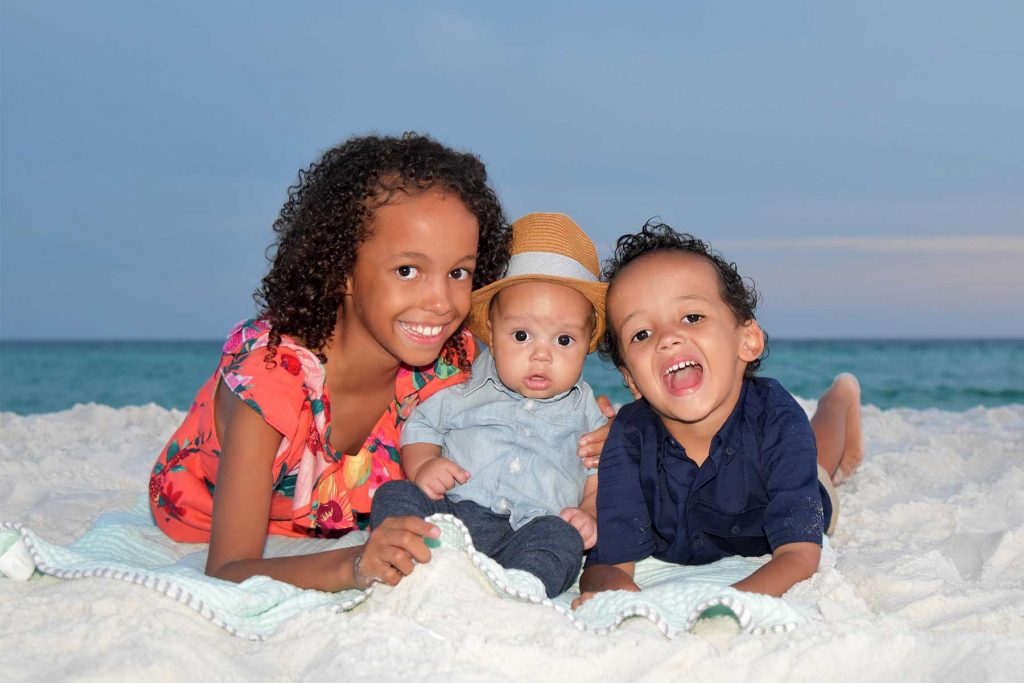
[548, 547]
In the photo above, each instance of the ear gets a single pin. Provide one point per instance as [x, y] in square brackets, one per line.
[627, 377]
[751, 341]
[347, 290]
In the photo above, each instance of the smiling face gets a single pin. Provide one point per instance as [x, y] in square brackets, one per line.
[540, 335]
[410, 287]
[682, 347]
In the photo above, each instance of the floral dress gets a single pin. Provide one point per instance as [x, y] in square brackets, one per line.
[316, 491]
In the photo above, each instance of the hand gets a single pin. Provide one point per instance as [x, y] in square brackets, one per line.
[392, 551]
[582, 599]
[437, 475]
[597, 578]
[584, 523]
[591, 443]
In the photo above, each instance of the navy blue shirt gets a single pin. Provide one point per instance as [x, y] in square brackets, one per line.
[757, 490]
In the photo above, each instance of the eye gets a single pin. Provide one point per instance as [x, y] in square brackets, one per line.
[521, 336]
[564, 340]
[460, 274]
[640, 336]
[407, 272]
[692, 318]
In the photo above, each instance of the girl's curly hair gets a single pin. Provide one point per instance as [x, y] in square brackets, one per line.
[738, 293]
[326, 219]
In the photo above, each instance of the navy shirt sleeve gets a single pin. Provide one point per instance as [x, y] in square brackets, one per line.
[794, 513]
[623, 517]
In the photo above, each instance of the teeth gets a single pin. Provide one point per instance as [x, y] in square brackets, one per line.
[679, 366]
[424, 330]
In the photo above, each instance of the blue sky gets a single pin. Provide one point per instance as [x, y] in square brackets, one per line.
[863, 162]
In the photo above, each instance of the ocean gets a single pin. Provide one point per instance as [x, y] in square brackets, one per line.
[954, 375]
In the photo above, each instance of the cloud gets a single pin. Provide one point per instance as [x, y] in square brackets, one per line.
[941, 244]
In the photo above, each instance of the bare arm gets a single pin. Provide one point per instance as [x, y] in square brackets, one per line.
[605, 577]
[241, 512]
[790, 563]
[416, 455]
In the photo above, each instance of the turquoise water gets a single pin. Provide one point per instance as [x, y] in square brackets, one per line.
[42, 377]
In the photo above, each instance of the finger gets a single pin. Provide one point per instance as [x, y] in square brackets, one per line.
[389, 575]
[582, 599]
[597, 437]
[591, 461]
[401, 560]
[412, 524]
[606, 407]
[411, 541]
[461, 476]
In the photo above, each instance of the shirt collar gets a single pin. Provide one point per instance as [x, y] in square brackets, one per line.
[485, 372]
[730, 432]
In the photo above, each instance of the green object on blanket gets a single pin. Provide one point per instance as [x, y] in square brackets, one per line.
[127, 546]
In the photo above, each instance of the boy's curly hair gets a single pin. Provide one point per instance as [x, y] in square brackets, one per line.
[738, 293]
[326, 219]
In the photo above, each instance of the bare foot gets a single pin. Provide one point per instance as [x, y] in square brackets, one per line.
[847, 389]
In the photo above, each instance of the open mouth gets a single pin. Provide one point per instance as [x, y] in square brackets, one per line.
[537, 382]
[423, 334]
[682, 377]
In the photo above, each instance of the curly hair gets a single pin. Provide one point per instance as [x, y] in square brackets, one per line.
[327, 215]
[738, 293]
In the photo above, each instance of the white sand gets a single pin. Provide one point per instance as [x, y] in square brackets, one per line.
[928, 582]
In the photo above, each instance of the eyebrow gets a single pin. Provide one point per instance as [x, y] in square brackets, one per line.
[684, 297]
[417, 254]
[525, 319]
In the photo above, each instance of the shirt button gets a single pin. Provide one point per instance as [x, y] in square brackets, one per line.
[515, 465]
[728, 451]
[503, 505]
[527, 432]
[735, 529]
[527, 405]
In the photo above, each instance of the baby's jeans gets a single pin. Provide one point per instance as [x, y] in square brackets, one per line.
[548, 547]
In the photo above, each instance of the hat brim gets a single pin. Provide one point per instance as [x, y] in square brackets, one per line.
[480, 305]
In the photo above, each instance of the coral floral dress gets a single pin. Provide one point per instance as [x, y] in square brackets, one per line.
[316, 491]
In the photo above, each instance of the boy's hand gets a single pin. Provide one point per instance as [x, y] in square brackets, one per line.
[437, 475]
[392, 551]
[584, 523]
[598, 578]
[591, 443]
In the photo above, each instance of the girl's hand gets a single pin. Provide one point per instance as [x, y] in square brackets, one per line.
[591, 443]
[584, 523]
[437, 475]
[392, 551]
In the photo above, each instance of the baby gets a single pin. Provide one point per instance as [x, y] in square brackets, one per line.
[499, 452]
[710, 461]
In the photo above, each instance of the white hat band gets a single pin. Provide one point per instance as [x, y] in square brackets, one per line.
[547, 263]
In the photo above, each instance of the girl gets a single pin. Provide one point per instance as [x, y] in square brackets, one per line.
[360, 319]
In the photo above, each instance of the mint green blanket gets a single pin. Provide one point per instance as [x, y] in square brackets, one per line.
[127, 546]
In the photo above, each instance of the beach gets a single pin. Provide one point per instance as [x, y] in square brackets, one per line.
[925, 580]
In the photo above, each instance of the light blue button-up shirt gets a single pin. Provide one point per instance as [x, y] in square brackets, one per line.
[520, 452]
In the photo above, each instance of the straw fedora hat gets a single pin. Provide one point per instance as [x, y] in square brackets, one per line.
[546, 247]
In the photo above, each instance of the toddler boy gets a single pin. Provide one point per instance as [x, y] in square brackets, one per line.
[710, 461]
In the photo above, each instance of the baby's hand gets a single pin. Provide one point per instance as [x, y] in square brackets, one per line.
[437, 475]
[584, 523]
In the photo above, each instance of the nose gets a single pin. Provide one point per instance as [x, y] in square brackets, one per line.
[670, 338]
[540, 352]
[436, 296]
